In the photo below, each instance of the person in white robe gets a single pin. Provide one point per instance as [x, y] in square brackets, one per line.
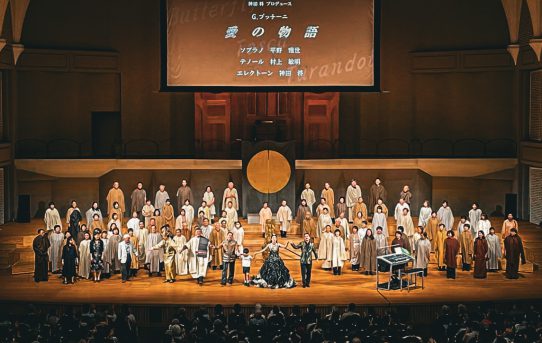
[484, 224]
[89, 214]
[142, 241]
[189, 213]
[231, 216]
[56, 238]
[154, 257]
[401, 205]
[84, 257]
[461, 226]
[338, 252]
[353, 193]
[114, 223]
[160, 198]
[181, 257]
[52, 218]
[323, 220]
[230, 194]
[445, 216]
[424, 214]
[380, 219]
[209, 198]
[475, 214]
[265, 214]
[381, 242]
[423, 253]
[405, 220]
[284, 216]
[344, 225]
[320, 209]
[198, 256]
[133, 224]
[325, 247]
[494, 253]
[205, 209]
[309, 196]
[362, 229]
[239, 237]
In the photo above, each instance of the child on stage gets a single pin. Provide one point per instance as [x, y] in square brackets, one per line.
[246, 261]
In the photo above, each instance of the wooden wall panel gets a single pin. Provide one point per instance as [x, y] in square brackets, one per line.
[321, 124]
[212, 124]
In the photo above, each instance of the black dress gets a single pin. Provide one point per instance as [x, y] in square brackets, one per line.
[274, 274]
[41, 245]
[69, 256]
[96, 251]
[75, 219]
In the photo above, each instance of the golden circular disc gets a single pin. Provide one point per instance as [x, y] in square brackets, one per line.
[268, 171]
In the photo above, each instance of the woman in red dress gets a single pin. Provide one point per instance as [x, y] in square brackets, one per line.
[480, 256]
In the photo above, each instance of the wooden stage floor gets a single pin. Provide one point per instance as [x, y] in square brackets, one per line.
[325, 288]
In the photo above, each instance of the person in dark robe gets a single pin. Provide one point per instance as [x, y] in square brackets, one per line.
[377, 191]
[398, 241]
[513, 252]
[451, 249]
[405, 238]
[41, 245]
[481, 249]
[301, 210]
[75, 220]
[69, 261]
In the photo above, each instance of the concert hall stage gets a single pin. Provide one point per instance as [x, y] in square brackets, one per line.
[325, 289]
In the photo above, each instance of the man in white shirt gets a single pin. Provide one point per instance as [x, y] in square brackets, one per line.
[125, 249]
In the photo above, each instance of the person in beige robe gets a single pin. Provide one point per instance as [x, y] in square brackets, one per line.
[160, 197]
[134, 253]
[377, 191]
[52, 218]
[353, 192]
[116, 214]
[114, 195]
[147, 212]
[168, 214]
[509, 224]
[439, 246]
[218, 235]
[84, 257]
[432, 229]
[231, 216]
[338, 252]
[184, 193]
[181, 258]
[209, 198]
[323, 220]
[355, 249]
[360, 206]
[157, 219]
[138, 197]
[380, 203]
[153, 257]
[142, 240]
[96, 223]
[329, 195]
[56, 238]
[284, 216]
[265, 214]
[182, 224]
[405, 220]
[206, 211]
[340, 207]
[309, 226]
[309, 196]
[320, 209]
[423, 253]
[189, 213]
[230, 194]
[325, 248]
[368, 253]
[382, 244]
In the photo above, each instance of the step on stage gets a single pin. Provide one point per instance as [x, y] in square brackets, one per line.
[325, 287]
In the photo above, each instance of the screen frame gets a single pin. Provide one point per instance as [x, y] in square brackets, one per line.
[164, 87]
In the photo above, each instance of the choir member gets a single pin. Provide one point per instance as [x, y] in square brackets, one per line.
[345, 228]
[182, 224]
[360, 206]
[183, 193]
[106, 273]
[368, 253]
[423, 253]
[355, 249]
[81, 234]
[509, 224]
[73, 207]
[84, 256]
[41, 245]
[320, 209]
[424, 214]
[362, 229]
[445, 215]
[399, 241]
[134, 241]
[323, 220]
[69, 261]
[405, 194]
[209, 199]
[513, 252]
[114, 223]
[154, 257]
[111, 256]
[439, 246]
[147, 212]
[217, 236]
[169, 248]
[484, 224]
[358, 218]
[96, 256]
[206, 228]
[325, 247]
[309, 196]
[309, 226]
[494, 253]
[301, 210]
[133, 223]
[480, 256]
[377, 191]
[265, 215]
[451, 249]
[381, 242]
[230, 194]
[115, 215]
[52, 218]
[181, 257]
[284, 216]
[475, 215]
[353, 192]
[239, 236]
[94, 209]
[463, 222]
[379, 219]
[341, 207]
[115, 195]
[338, 252]
[160, 198]
[432, 230]
[168, 213]
[56, 239]
[399, 209]
[142, 240]
[329, 198]
[157, 219]
[206, 210]
[467, 245]
[139, 197]
[405, 220]
[231, 215]
[380, 203]
[189, 213]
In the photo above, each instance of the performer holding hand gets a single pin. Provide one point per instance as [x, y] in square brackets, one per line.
[305, 259]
